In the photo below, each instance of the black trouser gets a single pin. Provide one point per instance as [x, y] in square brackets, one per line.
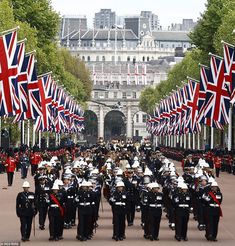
[118, 224]
[233, 168]
[24, 170]
[69, 211]
[33, 169]
[155, 219]
[212, 222]
[42, 214]
[130, 212]
[2, 168]
[145, 220]
[171, 217]
[83, 228]
[55, 224]
[25, 226]
[217, 170]
[10, 176]
[181, 222]
[201, 214]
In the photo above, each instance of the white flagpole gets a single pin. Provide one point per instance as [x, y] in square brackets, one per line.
[212, 137]
[189, 140]
[230, 129]
[48, 140]
[22, 132]
[181, 141]
[198, 140]
[185, 141]
[59, 139]
[33, 141]
[39, 139]
[194, 141]
[204, 135]
[28, 133]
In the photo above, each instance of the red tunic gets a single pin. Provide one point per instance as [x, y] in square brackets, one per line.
[10, 165]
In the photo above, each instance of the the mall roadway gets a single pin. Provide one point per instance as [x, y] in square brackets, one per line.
[9, 223]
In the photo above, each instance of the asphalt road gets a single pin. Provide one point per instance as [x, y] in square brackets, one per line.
[10, 232]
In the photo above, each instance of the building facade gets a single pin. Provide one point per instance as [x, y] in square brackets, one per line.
[105, 19]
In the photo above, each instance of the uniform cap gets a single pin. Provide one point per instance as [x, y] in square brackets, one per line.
[84, 184]
[147, 172]
[120, 184]
[214, 183]
[135, 158]
[58, 182]
[55, 186]
[136, 164]
[26, 184]
[184, 186]
[119, 172]
[155, 185]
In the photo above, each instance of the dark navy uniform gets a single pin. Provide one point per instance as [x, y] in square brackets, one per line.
[56, 215]
[85, 202]
[118, 201]
[25, 210]
[212, 212]
[42, 191]
[182, 204]
[155, 203]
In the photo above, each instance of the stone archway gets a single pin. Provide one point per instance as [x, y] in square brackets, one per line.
[114, 125]
[90, 127]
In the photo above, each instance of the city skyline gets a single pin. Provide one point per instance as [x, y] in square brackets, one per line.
[182, 9]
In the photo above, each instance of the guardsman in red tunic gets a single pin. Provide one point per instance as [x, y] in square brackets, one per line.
[217, 164]
[10, 165]
[35, 159]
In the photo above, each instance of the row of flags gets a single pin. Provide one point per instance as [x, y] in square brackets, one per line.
[25, 95]
[204, 102]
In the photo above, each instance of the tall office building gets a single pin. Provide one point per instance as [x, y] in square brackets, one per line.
[71, 23]
[105, 19]
[153, 19]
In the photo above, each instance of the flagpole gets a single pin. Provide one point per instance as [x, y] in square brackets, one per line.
[194, 141]
[189, 140]
[181, 141]
[230, 129]
[22, 132]
[59, 139]
[39, 139]
[33, 140]
[47, 139]
[10, 30]
[198, 140]
[185, 141]
[204, 135]
[212, 137]
[28, 134]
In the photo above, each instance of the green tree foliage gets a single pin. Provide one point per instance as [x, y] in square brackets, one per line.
[216, 23]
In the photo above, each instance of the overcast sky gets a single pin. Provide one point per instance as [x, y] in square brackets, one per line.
[168, 11]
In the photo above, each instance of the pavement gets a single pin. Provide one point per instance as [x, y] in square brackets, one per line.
[10, 225]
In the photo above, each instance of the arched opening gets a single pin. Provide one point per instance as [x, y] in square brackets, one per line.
[143, 59]
[88, 58]
[90, 127]
[128, 58]
[114, 125]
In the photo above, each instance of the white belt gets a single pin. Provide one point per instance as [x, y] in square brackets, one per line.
[70, 196]
[120, 203]
[155, 205]
[85, 204]
[54, 206]
[183, 205]
[214, 205]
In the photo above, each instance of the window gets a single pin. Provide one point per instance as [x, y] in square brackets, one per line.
[119, 58]
[161, 45]
[134, 60]
[96, 94]
[97, 58]
[113, 58]
[128, 58]
[106, 94]
[143, 59]
[173, 46]
[88, 58]
[134, 94]
[124, 95]
[137, 118]
[83, 58]
[103, 58]
[145, 117]
[136, 133]
[147, 58]
[115, 94]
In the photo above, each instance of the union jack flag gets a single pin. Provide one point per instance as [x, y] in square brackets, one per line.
[44, 122]
[217, 97]
[34, 98]
[204, 76]
[192, 104]
[8, 74]
[229, 62]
